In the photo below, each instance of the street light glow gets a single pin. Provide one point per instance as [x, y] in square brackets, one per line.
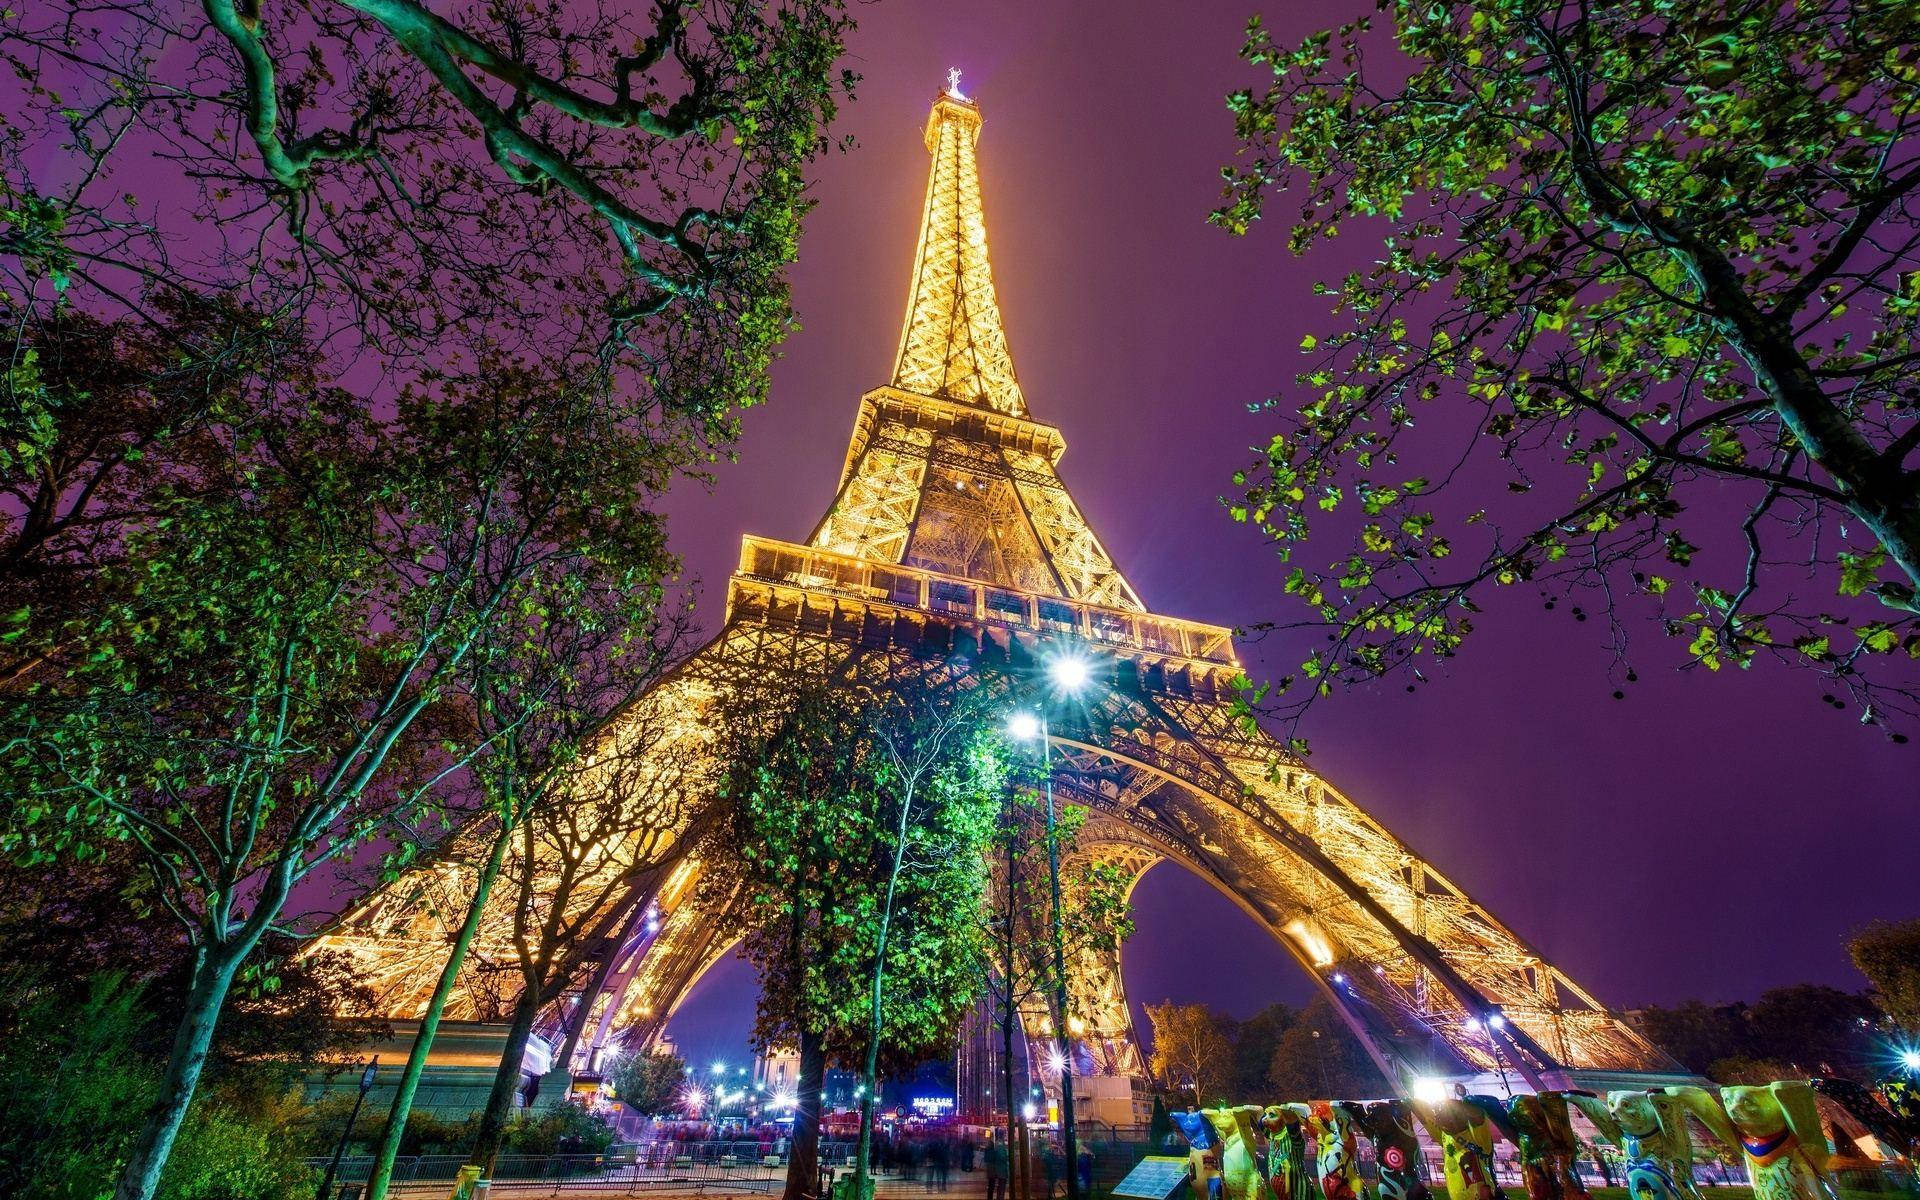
[1069, 672]
[1497, 1021]
[1429, 1090]
[1056, 1061]
[1023, 726]
[1910, 1059]
[719, 1068]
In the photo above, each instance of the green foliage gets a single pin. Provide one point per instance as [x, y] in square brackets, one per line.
[1095, 918]
[817, 807]
[76, 1085]
[1318, 1058]
[650, 1082]
[1888, 954]
[1639, 263]
[1255, 1041]
[560, 1129]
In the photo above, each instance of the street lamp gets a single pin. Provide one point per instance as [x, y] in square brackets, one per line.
[1069, 672]
[366, 1085]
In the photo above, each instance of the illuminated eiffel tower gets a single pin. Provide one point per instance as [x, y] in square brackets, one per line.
[952, 544]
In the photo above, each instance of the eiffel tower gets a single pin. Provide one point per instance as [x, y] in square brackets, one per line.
[952, 541]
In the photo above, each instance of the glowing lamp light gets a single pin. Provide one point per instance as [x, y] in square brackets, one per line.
[1069, 672]
[1339, 978]
[1023, 726]
[1473, 1023]
[1056, 1061]
[1910, 1059]
[1429, 1090]
[719, 1068]
[1497, 1021]
[1028, 1111]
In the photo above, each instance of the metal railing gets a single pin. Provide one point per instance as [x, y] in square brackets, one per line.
[748, 1166]
[776, 562]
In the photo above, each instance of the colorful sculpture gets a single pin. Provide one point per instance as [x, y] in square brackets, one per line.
[1888, 1112]
[1240, 1176]
[1287, 1175]
[1650, 1127]
[1466, 1136]
[1777, 1128]
[1338, 1159]
[1388, 1124]
[1203, 1155]
[1546, 1145]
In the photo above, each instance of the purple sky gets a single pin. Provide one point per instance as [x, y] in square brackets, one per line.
[1708, 837]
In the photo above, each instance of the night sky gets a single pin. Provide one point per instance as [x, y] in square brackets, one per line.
[1710, 836]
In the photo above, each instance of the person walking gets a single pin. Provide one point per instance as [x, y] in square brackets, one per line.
[996, 1156]
[1085, 1170]
[1053, 1164]
[937, 1161]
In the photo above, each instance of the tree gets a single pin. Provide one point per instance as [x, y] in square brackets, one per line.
[1818, 1030]
[1017, 966]
[287, 677]
[1255, 1042]
[602, 184]
[545, 248]
[1888, 954]
[1192, 1049]
[859, 819]
[1698, 1035]
[1800, 1030]
[543, 695]
[942, 775]
[588, 859]
[1319, 1058]
[1641, 262]
[650, 1082]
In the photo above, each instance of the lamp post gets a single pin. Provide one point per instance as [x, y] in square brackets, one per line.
[366, 1085]
[1069, 674]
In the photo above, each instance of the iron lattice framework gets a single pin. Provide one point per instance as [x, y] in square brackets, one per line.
[953, 547]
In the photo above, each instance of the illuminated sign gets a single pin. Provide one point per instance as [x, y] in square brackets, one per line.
[932, 1106]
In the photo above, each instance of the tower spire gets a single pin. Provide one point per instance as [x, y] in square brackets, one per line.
[953, 344]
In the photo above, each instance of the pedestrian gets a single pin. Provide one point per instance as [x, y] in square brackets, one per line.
[937, 1162]
[1085, 1166]
[967, 1151]
[1053, 1163]
[996, 1156]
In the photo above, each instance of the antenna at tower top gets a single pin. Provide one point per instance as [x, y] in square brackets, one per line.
[953, 84]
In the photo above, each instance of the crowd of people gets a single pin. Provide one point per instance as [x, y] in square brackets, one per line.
[931, 1154]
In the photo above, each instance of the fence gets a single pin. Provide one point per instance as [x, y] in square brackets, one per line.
[748, 1166]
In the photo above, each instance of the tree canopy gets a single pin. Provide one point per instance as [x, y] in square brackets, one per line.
[1639, 330]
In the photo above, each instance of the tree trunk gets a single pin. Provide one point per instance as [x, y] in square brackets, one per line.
[874, 1023]
[577, 1025]
[430, 1021]
[803, 1155]
[506, 1081]
[213, 972]
[1008, 1013]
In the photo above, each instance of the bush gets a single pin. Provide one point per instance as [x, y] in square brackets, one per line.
[74, 1093]
[223, 1155]
[565, 1129]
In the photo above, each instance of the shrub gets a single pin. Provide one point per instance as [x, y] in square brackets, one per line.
[74, 1090]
